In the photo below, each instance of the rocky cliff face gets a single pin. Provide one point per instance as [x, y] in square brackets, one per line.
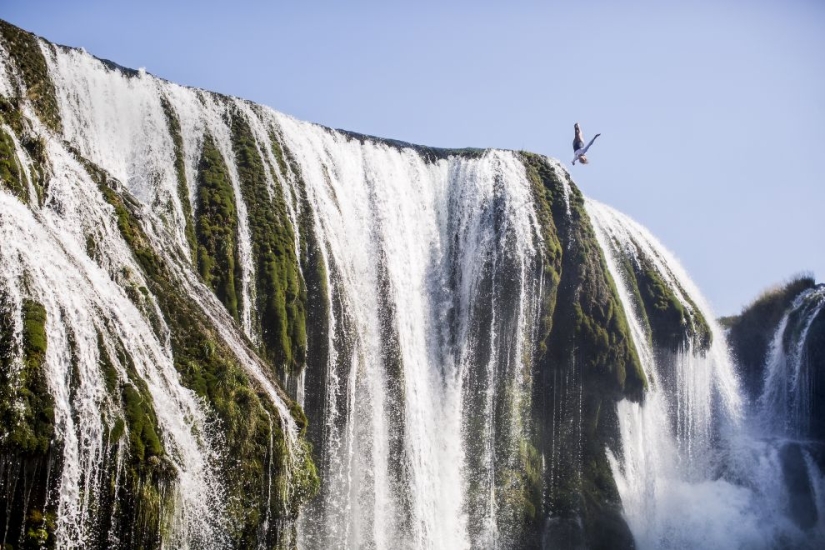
[223, 327]
[778, 341]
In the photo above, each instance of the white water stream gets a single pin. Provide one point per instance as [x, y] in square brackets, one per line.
[389, 219]
[698, 470]
[117, 121]
[433, 275]
[420, 251]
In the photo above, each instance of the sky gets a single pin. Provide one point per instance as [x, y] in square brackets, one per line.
[712, 114]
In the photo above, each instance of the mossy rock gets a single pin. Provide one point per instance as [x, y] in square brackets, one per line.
[246, 418]
[11, 175]
[216, 228]
[142, 422]
[281, 293]
[25, 53]
[26, 406]
[750, 333]
[587, 363]
[180, 172]
[587, 294]
[673, 325]
[545, 198]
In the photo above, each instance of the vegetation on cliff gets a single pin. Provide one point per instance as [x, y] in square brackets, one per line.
[255, 445]
[216, 228]
[587, 294]
[26, 407]
[750, 333]
[180, 172]
[24, 49]
[673, 324]
[281, 294]
[584, 359]
[12, 174]
[586, 343]
[26, 423]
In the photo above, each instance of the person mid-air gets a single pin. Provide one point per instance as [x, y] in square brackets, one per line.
[579, 148]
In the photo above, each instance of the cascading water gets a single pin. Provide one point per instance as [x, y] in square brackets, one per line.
[45, 256]
[789, 411]
[422, 252]
[786, 403]
[695, 470]
[69, 256]
[430, 286]
[433, 265]
[118, 121]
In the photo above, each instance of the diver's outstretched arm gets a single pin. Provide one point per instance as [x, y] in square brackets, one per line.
[586, 147]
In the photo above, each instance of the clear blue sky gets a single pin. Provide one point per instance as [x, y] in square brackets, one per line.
[712, 115]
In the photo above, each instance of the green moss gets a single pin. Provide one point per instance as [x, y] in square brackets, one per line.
[587, 362]
[117, 430]
[39, 529]
[246, 418]
[35, 146]
[26, 55]
[142, 422]
[314, 270]
[519, 492]
[11, 115]
[750, 333]
[34, 332]
[10, 173]
[300, 418]
[180, 171]
[672, 325]
[600, 330]
[545, 197]
[136, 402]
[281, 294]
[216, 228]
[26, 406]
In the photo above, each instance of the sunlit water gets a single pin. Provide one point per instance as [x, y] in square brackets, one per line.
[699, 468]
[434, 278]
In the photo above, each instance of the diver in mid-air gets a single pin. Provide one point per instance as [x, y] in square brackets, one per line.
[579, 148]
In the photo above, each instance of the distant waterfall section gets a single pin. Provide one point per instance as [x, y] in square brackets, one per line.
[787, 401]
[699, 467]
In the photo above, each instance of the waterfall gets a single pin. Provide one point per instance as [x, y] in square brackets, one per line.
[432, 276]
[421, 253]
[68, 256]
[696, 470]
[44, 259]
[786, 404]
[117, 120]
[206, 271]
